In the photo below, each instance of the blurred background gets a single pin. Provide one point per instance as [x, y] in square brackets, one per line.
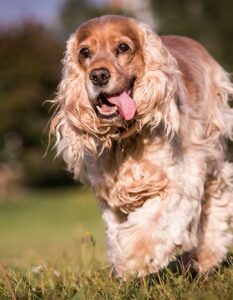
[38, 200]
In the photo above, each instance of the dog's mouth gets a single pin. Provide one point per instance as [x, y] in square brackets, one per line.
[116, 105]
[105, 109]
[109, 106]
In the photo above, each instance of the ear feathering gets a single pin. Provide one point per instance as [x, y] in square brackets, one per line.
[75, 125]
[156, 93]
[222, 116]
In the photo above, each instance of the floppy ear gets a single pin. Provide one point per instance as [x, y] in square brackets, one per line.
[156, 93]
[72, 95]
[74, 118]
[67, 142]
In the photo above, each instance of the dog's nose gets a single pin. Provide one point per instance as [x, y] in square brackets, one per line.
[100, 76]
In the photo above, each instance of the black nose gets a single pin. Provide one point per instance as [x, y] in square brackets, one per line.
[100, 76]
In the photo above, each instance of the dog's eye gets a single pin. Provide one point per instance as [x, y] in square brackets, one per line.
[85, 52]
[123, 48]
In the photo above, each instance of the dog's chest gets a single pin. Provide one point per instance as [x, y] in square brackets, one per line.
[126, 180]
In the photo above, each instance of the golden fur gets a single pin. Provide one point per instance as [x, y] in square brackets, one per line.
[162, 180]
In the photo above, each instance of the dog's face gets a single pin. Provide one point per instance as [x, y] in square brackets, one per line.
[110, 54]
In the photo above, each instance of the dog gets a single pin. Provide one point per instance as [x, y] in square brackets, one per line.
[143, 120]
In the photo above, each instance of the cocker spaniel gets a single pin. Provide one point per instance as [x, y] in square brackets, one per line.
[143, 121]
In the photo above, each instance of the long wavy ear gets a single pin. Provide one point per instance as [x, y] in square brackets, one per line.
[156, 93]
[67, 143]
[74, 118]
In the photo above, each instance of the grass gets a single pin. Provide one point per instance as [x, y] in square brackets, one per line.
[52, 247]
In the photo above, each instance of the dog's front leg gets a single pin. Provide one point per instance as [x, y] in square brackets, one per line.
[112, 220]
[154, 234]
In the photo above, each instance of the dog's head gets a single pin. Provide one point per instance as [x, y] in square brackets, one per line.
[109, 54]
[117, 76]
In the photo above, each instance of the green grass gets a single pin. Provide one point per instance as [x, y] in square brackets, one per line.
[52, 247]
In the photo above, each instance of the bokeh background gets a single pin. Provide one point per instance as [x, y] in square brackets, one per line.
[41, 209]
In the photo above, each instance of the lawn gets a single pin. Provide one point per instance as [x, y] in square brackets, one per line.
[52, 247]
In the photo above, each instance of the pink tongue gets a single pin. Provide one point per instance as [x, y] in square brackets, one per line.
[125, 105]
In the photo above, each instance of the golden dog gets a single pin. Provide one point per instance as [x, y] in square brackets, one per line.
[142, 120]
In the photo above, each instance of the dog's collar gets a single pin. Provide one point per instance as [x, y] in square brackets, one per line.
[129, 132]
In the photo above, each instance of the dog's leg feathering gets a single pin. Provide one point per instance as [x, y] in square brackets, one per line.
[154, 234]
[215, 235]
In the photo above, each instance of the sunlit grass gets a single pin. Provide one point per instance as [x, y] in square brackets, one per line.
[49, 225]
[52, 247]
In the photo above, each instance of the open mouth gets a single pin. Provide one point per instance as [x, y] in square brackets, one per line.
[118, 105]
[105, 108]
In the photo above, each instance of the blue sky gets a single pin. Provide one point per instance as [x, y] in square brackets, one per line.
[13, 11]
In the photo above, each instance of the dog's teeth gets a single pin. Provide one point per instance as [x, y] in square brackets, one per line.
[99, 108]
[107, 113]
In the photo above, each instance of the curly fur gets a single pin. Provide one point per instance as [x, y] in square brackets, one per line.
[166, 188]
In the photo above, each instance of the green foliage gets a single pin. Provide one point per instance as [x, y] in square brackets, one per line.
[73, 13]
[30, 70]
[208, 21]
